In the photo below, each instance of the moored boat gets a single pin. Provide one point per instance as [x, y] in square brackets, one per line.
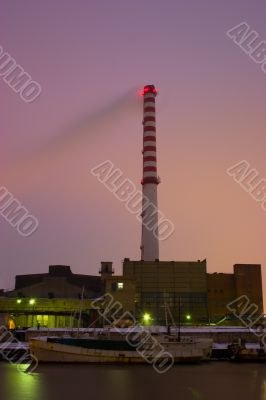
[170, 342]
[239, 352]
[95, 350]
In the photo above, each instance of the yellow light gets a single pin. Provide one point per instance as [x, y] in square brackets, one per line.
[19, 301]
[11, 324]
[147, 318]
[32, 301]
[188, 317]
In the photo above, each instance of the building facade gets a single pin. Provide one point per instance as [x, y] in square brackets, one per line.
[22, 313]
[245, 284]
[163, 290]
[57, 299]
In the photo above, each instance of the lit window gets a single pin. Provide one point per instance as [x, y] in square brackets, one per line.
[42, 320]
[11, 323]
[120, 285]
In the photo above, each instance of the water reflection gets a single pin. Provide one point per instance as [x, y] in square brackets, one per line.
[219, 381]
[17, 385]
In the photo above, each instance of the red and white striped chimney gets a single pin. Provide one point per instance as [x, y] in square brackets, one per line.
[149, 239]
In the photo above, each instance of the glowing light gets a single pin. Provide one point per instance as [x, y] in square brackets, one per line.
[11, 324]
[148, 89]
[146, 318]
[32, 302]
[120, 285]
[188, 317]
[19, 301]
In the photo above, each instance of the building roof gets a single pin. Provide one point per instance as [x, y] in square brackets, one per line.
[89, 282]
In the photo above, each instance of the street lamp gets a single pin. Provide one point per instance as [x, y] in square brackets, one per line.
[19, 301]
[32, 302]
[146, 318]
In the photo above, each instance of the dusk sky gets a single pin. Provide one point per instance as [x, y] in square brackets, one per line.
[91, 58]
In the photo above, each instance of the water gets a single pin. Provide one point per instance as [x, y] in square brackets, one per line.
[216, 380]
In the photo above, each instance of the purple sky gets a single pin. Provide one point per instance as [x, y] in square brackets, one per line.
[91, 57]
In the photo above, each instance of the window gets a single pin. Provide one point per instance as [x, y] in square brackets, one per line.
[42, 320]
[120, 285]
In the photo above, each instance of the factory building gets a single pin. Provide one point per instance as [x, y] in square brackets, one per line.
[37, 312]
[161, 289]
[59, 282]
[185, 288]
[51, 300]
[225, 288]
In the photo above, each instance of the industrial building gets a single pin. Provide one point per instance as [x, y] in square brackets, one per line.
[51, 300]
[169, 285]
[186, 288]
[167, 291]
[224, 288]
[59, 282]
[40, 312]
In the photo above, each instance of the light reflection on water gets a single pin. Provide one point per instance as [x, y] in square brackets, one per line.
[218, 380]
[17, 385]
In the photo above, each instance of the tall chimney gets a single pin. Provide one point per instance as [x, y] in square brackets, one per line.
[149, 239]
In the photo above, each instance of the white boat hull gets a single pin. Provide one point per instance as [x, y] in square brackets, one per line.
[54, 352]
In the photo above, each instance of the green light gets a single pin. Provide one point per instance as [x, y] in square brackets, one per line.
[19, 301]
[32, 302]
[188, 317]
[147, 318]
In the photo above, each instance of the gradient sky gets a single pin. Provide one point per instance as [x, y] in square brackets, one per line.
[91, 57]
